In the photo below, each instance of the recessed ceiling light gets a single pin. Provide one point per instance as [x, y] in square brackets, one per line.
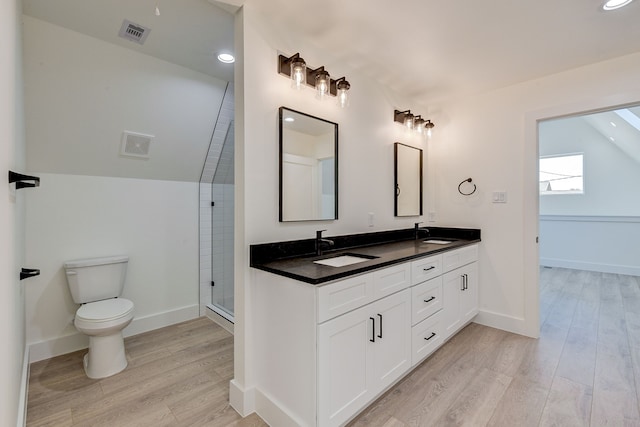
[613, 124]
[612, 139]
[289, 119]
[227, 58]
[615, 4]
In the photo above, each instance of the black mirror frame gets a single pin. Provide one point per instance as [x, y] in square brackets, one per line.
[281, 159]
[395, 179]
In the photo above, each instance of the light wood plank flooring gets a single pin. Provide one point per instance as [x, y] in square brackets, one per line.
[177, 376]
[583, 371]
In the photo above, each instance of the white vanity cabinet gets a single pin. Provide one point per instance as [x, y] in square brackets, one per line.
[460, 289]
[360, 354]
[327, 351]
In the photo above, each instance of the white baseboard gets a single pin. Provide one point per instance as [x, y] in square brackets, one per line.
[272, 413]
[77, 341]
[242, 400]
[589, 266]
[24, 390]
[501, 321]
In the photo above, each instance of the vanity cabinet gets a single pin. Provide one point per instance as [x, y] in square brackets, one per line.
[360, 354]
[460, 290]
[326, 352]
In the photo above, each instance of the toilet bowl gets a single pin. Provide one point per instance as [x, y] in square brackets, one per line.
[97, 283]
[103, 321]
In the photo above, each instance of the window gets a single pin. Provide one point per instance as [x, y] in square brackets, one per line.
[561, 174]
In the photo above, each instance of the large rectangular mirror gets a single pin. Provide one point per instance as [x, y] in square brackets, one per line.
[408, 180]
[308, 167]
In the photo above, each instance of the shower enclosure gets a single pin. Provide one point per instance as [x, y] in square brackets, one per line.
[217, 217]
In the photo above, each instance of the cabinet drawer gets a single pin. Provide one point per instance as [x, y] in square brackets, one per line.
[390, 280]
[459, 257]
[426, 299]
[425, 269]
[426, 338]
[345, 295]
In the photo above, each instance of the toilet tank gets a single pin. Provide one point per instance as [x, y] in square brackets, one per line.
[95, 279]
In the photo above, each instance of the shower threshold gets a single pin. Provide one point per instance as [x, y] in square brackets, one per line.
[221, 312]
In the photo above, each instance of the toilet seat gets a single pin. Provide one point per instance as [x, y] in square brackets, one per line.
[104, 311]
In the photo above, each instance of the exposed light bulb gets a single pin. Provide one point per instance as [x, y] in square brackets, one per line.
[298, 73]
[157, 10]
[409, 121]
[322, 83]
[342, 92]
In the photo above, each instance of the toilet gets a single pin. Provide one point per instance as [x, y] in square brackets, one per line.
[97, 283]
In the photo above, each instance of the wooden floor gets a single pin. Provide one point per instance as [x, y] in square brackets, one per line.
[177, 376]
[583, 371]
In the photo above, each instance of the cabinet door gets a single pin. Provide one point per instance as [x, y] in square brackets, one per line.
[469, 297]
[392, 347]
[452, 285]
[344, 355]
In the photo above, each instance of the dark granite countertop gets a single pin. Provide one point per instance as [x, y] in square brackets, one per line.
[295, 259]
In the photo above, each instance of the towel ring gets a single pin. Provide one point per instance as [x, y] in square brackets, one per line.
[472, 191]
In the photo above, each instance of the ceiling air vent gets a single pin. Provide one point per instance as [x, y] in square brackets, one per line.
[135, 144]
[134, 32]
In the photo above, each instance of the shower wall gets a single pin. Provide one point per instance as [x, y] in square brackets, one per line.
[216, 217]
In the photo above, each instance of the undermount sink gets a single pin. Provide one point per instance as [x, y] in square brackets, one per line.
[344, 260]
[437, 241]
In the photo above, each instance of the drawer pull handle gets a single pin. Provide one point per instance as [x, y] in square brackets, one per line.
[380, 334]
[430, 299]
[433, 334]
[429, 268]
[373, 329]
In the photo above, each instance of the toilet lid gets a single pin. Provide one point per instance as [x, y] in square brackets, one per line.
[108, 309]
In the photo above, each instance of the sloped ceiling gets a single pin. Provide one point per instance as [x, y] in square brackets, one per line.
[618, 131]
[187, 32]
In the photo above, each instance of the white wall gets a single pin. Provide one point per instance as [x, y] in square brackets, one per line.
[493, 138]
[82, 93]
[366, 136]
[12, 147]
[76, 216]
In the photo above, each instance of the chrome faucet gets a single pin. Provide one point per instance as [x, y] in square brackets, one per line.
[417, 230]
[320, 241]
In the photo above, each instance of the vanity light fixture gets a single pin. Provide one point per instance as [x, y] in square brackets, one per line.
[322, 82]
[417, 123]
[342, 87]
[428, 126]
[296, 69]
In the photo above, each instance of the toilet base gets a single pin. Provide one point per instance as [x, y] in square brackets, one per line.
[106, 356]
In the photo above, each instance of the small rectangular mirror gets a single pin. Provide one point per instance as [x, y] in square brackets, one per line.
[308, 167]
[408, 180]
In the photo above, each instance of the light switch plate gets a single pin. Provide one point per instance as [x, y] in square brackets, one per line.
[431, 217]
[499, 197]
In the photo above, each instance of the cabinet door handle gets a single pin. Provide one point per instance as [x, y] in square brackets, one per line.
[433, 334]
[462, 282]
[430, 299]
[466, 282]
[373, 329]
[380, 334]
[429, 268]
